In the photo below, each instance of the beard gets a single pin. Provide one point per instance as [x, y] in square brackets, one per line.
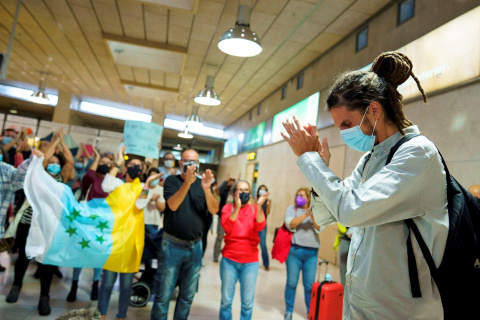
[367, 127]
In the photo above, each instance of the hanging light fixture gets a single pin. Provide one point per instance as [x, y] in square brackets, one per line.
[185, 134]
[193, 120]
[207, 96]
[240, 41]
[40, 96]
[178, 147]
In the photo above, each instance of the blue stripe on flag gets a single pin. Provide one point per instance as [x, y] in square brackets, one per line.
[84, 235]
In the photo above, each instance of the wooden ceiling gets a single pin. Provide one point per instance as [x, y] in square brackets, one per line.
[68, 39]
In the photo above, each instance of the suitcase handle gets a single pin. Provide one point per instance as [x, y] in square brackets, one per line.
[320, 269]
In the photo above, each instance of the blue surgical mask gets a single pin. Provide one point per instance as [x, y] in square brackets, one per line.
[154, 182]
[262, 192]
[79, 165]
[356, 139]
[1, 157]
[54, 168]
[7, 140]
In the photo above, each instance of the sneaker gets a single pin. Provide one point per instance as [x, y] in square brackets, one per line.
[267, 268]
[72, 295]
[94, 293]
[13, 295]
[44, 306]
[215, 259]
[288, 316]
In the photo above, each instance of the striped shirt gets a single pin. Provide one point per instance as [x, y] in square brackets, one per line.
[11, 180]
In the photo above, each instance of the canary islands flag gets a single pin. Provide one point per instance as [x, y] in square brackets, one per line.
[101, 233]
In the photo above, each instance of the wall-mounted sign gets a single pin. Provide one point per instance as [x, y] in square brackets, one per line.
[305, 110]
[253, 138]
[230, 148]
[251, 156]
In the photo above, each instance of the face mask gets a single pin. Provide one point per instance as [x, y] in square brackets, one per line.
[356, 139]
[262, 192]
[134, 171]
[1, 157]
[213, 180]
[103, 169]
[301, 201]
[229, 199]
[168, 163]
[244, 197]
[7, 140]
[54, 168]
[154, 182]
[78, 165]
[190, 163]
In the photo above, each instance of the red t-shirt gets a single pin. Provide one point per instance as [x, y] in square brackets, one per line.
[241, 236]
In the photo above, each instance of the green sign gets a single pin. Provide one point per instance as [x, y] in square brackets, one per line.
[305, 110]
[230, 148]
[253, 138]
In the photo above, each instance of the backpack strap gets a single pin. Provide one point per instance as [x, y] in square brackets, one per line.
[412, 263]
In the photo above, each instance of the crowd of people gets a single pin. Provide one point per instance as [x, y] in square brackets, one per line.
[178, 205]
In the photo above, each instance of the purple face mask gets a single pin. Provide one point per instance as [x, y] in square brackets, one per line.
[301, 201]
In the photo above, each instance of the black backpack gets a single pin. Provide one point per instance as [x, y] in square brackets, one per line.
[458, 277]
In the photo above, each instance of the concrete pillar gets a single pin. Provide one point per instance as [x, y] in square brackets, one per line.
[158, 117]
[61, 113]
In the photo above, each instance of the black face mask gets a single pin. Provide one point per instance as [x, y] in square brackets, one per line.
[134, 171]
[244, 197]
[103, 169]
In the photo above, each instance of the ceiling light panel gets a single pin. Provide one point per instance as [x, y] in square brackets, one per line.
[188, 5]
[146, 57]
[151, 93]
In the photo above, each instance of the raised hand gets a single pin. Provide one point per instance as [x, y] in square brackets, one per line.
[207, 178]
[238, 202]
[190, 176]
[262, 199]
[37, 153]
[301, 140]
[151, 178]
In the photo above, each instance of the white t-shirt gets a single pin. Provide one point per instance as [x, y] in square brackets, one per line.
[151, 213]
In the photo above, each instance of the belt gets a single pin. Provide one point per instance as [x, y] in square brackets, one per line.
[175, 239]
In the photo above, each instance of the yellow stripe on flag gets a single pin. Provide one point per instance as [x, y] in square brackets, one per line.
[128, 229]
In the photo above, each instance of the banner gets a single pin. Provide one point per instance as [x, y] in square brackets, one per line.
[142, 138]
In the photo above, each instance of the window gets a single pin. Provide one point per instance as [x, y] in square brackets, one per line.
[284, 91]
[406, 11]
[300, 81]
[259, 109]
[362, 39]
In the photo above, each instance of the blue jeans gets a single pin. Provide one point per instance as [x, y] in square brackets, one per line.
[300, 259]
[96, 273]
[246, 273]
[263, 246]
[178, 261]
[105, 292]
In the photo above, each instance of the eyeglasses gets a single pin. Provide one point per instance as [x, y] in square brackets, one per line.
[194, 161]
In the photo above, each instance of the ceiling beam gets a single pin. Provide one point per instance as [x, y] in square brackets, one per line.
[144, 43]
[147, 85]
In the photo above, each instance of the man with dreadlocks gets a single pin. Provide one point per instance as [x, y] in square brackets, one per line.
[377, 198]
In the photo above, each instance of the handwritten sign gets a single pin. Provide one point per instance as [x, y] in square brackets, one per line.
[142, 138]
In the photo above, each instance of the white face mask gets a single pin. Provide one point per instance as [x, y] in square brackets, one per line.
[262, 192]
[230, 199]
[168, 163]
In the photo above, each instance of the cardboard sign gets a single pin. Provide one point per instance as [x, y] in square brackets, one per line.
[142, 138]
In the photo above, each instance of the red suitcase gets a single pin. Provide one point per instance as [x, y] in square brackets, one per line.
[326, 302]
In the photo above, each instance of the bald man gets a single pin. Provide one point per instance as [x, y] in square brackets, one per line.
[475, 191]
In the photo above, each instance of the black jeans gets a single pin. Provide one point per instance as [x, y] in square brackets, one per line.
[46, 271]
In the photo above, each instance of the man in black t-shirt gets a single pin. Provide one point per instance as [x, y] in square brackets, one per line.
[189, 200]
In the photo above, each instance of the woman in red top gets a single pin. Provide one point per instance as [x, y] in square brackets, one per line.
[242, 222]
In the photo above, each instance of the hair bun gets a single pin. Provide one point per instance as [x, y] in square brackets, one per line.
[394, 66]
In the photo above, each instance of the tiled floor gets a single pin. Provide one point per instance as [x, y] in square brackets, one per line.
[269, 296]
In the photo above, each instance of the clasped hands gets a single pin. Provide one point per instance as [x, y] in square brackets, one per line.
[305, 139]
